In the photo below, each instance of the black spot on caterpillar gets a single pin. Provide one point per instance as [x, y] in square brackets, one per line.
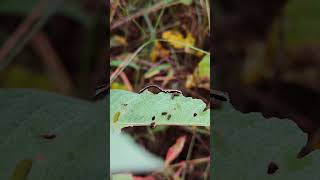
[153, 118]
[169, 116]
[164, 113]
[195, 114]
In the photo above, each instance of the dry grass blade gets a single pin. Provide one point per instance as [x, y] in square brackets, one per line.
[55, 68]
[27, 29]
[22, 29]
[138, 14]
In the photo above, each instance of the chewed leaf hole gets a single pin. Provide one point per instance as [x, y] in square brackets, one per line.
[272, 168]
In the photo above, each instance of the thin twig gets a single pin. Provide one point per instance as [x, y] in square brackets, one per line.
[189, 152]
[22, 29]
[114, 7]
[125, 63]
[126, 81]
[127, 19]
[55, 68]
[27, 29]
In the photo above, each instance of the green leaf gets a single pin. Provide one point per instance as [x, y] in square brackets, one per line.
[117, 63]
[186, 2]
[245, 144]
[301, 22]
[127, 156]
[65, 138]
[204, 66]
[156, 70]
[18, 76]
[145, 109]
[122, 177]
[62, 138]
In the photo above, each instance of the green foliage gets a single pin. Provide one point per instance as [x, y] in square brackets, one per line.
[156, 70]
[122, 177]
[116, 63]
[204, 66]
[68, 9]
[79, 148]
[186, 2]
[145, 109]
[245, 144]
[18, 76]
[302, 22]
[22, 170]
[127, 156]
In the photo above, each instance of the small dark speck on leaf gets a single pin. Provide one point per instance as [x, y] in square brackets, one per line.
[48, 136]
[195, 114]
[272, 168]
[153, 125]
[125, 104]
[169, 116]
[164, 113]
[174, 95]
[153, 118]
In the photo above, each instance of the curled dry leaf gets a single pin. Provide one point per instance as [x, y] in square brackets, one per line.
[175, 150]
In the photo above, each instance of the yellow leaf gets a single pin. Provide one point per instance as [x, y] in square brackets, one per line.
[190, 82]
[176, 39]
[173, 37]
[158, 52]
[189, 40]
[201, 75]
[117, 41]
[116, 85]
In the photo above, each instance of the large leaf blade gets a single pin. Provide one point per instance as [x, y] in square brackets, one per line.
[245, 145]
[63, 138]
[79, 149]
[132, 109]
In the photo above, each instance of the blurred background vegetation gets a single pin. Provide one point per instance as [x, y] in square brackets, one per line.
[53, 45]
[136, 24]
[267, 57]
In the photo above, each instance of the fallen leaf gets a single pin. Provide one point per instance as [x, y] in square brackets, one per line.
[158, 52]
[175, 150]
